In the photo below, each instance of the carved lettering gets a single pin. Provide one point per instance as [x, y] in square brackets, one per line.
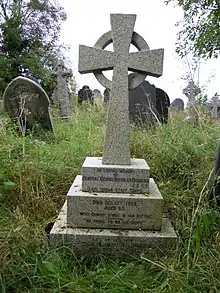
[98, 202]
[114, 179]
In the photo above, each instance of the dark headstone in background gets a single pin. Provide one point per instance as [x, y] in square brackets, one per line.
[85, 94]
[162, 105]
[106, 95]
[142, 104]
[177, 104]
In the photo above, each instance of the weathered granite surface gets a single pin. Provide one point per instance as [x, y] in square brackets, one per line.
[112, 243]
[117, 144]
[27, 104]
[112, 210]
[131, 179]
[62, 95]
[113, 206]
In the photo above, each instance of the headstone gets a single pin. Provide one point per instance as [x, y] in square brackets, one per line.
[142, 105]
[177, 105]
[215, 106]
[97, 95]
[106, 95]
[191, 91]
[85, 94]
[27, 104]
[62, 95]
[115, 208]
[147, 104]
[162, 105]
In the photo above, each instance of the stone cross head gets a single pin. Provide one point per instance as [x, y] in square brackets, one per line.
[62, 71]
[144, 62]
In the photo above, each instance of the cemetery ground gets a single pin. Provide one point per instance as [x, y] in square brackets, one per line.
[36, 174]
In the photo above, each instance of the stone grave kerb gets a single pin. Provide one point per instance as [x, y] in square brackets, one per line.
[144, 62]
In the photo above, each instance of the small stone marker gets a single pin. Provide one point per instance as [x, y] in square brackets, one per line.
[106, 95]
[177, 105]
[62, 95]
[97, 94]
[27, 104]
[115, 208]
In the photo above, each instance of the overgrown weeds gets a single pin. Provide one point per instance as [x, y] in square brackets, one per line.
[36, 174]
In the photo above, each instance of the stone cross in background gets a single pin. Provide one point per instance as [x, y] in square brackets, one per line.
[62, 94]
[145, 62]
[191, 91]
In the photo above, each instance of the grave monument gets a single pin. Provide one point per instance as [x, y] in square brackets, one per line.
[147, 104]
[177, 105]
[28, 105]
[62, 96]
[191, 91]
[115, 208]
[215, 106]
[97, 94]
[106, 95]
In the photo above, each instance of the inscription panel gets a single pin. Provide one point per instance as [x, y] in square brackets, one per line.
[114, 210]
[116, 243]
[133, 179]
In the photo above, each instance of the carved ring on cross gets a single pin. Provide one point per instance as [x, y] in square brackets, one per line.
[138, 42]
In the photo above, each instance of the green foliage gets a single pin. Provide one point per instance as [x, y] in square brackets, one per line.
[29, 39]
[36, 175]
[200, 31]
[202, 99]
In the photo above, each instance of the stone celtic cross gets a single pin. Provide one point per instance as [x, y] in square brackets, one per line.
[191, 91]
[144, 62]
[61, 94]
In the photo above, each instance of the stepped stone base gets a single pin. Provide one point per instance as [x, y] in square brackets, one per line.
[114, 211]
[131, 179]
[112, 243]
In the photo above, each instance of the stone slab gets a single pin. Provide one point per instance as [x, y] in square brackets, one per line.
[114, 210]
[112, 243]
[132, 179]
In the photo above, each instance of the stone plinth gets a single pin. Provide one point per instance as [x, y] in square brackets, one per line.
[114, 211]
[131, 179]
[113, 243]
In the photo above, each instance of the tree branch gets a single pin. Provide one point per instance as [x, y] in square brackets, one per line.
[4, 6]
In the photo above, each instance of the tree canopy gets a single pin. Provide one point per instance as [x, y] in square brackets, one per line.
[200, 31]
[30, 31]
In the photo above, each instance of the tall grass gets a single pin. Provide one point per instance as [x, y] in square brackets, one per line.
[36, 173]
